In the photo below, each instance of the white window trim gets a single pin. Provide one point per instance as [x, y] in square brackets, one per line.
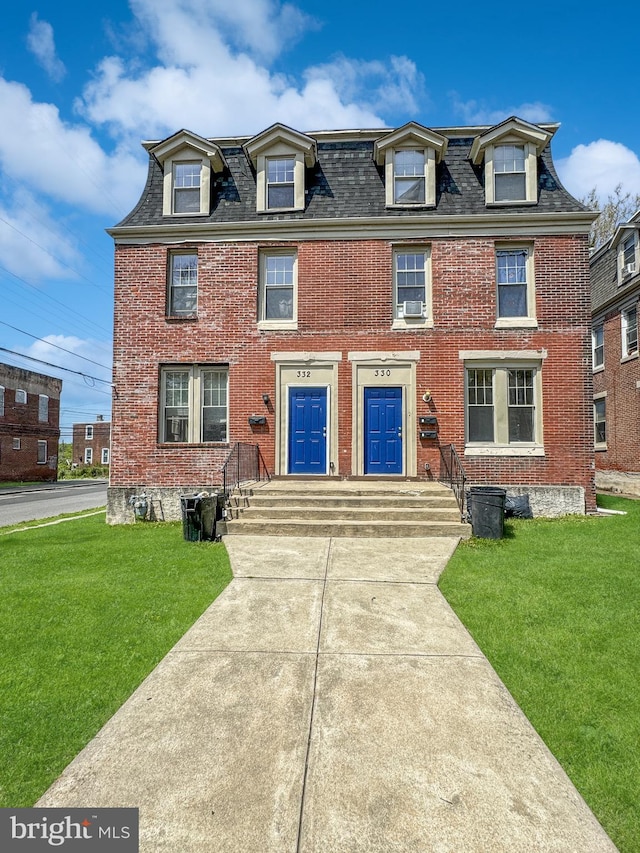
[2, 389]
[104, 456]
[195, 402]
[46, 451]
[16, 444]
[600, 366]
[280, 152]
[273, 324]
[170, 258]
[20, 396]
[530, 321]
[88, 456]
[531, 173]
[599, 445]
[429, 177]
[426, 321]
[623, 276]
[43, 409]
[625, 354]
[88, 432]
[186, 156]
[501, 366]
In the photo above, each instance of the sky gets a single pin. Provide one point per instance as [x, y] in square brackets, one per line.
[82, 84]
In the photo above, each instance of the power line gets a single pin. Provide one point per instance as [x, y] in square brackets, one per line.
[48, 343]
[56, 366]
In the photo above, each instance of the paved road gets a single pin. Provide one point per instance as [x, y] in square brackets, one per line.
[50, 499]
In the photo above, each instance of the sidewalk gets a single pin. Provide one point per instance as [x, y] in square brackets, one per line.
[329, 701]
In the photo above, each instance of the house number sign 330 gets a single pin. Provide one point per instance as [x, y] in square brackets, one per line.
[303, 374]
[381, 372]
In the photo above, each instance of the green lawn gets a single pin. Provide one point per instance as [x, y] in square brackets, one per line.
[86, 612]
[555, 606]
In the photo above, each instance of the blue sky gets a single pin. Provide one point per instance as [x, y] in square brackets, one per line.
[81, 84]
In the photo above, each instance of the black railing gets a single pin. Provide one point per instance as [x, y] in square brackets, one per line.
[452, 474]
[244, 464]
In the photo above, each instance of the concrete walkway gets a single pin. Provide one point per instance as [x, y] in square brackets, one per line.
[329, 701]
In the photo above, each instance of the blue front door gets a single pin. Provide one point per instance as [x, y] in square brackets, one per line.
[307, 431]
[383, 430]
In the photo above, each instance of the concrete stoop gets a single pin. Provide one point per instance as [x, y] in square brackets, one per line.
[346, 509]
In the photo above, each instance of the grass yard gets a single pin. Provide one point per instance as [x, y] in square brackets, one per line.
[555, 606]
[87, 611]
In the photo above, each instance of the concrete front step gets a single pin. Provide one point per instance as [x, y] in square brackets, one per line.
[353, 501]
[371, 529]
[314, 512]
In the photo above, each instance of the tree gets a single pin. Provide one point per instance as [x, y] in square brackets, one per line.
[617, 208]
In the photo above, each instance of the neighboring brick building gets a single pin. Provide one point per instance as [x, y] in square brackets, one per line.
[615, 284]
[92, 443]
[325, 282]
[29, 425]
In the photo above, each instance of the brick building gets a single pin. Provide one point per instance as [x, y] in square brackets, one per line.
[29, 425]
[320, 293]
[92, 443]
[615, 282]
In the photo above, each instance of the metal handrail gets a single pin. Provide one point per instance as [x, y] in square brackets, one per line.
[453, 474]
[244, 464]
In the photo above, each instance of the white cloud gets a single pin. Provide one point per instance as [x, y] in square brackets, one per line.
[477, 112]
[62, 160]
[213, 76]
[41, 44]
[602, 164]
[63, 350]
[32, 244]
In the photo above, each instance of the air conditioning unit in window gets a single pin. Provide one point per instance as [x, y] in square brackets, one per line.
[412, 309]
[629, 269]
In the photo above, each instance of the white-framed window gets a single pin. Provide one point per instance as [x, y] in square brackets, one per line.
[186, 186]
[16, 444]
[88, 432]
[88, 456]
[193, 404]
[187, 161]
[280, 156]
[104, 459]
[182, 297]
[280, 183]
[629, 331]
[412, 286]
[597, 342]
[628, 257]
[409, 176]
[278, 302]
[1, 401]
[515, 287]
[503, 409]
[42, 452]
[600, 422]
[43, 408]
[509, 173]
[21, 396]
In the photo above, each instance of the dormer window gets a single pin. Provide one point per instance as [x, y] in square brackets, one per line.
[186, 187]
[280, 157]
[510, 152]
[187, 161]
[627, 256]
[409, 156]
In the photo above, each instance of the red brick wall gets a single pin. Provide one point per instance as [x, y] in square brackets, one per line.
[21, 421]
[345, 303]
[620, 381]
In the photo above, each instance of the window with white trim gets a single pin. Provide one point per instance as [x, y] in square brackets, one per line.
[409, 176]
[628, 257]
[43, 408]
[105, 456]
[509, 173]
[503, 411]
[277, 303]
[16, 444]
[1, 401]
[186, 186]
[280, 182]
[411, 285]
[629, 330]
[516, 287]
[193, 404]
[88, 456]
[21, 396]
[42, 452]
[88, 432]
[182, 297]
[600, 423]
[597, 341]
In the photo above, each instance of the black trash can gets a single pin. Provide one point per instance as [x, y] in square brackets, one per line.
[199, 516]
[486, 507]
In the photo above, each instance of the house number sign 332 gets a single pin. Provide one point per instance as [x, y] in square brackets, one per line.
[303, 374]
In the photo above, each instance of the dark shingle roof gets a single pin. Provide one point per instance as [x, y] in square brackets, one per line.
[347, 183]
